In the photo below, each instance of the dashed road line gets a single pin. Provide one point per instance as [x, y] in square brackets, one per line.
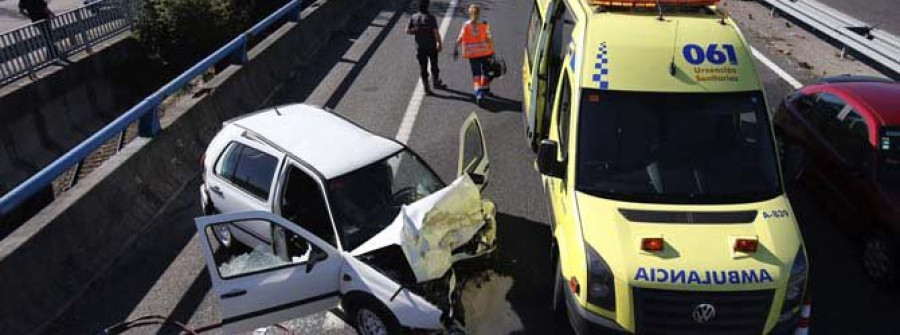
[775, 68]
[415, 102]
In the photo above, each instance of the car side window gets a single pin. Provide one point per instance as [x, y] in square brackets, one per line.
[247, 168]
[852, 138]
[825, 113]
[565, 107]
[304, 204]
[286, 249]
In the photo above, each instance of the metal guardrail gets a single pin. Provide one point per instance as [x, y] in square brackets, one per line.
[25, 50]
[145, 112]
[870, 42]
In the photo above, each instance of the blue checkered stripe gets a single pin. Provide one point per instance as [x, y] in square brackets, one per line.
[601, 68]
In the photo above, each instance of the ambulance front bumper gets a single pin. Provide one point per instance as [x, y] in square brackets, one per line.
[585, 322]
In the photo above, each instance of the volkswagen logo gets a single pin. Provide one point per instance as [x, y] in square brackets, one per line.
[704, 313]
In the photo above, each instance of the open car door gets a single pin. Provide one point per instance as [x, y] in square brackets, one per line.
[295, 275]
[473, 157]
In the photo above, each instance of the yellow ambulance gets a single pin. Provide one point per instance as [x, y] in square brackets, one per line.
[659, 164]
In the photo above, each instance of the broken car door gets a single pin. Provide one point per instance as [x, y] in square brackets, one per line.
[473, 157]
[295, 275]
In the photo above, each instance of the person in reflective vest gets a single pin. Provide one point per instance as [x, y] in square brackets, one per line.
[478, 47]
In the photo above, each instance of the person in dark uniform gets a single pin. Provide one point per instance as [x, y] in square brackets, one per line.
[424, 27]
[39, 12]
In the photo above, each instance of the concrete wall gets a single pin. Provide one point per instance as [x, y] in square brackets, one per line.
[41, 120]
[52, 258]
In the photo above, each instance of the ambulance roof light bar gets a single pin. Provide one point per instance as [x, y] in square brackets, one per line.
[650, 3]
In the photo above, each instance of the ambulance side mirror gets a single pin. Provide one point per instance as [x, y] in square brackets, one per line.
[547, 163]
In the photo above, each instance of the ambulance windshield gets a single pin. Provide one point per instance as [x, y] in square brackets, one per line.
[696, 148]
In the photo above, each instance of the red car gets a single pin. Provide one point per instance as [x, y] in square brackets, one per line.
[842, 136]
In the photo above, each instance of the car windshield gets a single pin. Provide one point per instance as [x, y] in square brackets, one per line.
[889, 165]
[699, 148]
[367, 200]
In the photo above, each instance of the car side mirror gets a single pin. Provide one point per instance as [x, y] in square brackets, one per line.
[547, 163]
[315, 256]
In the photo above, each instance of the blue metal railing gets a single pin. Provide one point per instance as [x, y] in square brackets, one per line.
[145, 112]
[27, 49]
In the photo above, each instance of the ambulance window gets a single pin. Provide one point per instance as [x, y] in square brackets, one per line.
[697, 148]
[565, 107]
[534, 28]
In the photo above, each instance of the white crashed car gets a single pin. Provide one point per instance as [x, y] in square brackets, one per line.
[313, 210]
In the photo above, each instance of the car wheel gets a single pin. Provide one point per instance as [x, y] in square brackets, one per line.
[372, 318]
[879, 258]
[223, 235]
[792, 158]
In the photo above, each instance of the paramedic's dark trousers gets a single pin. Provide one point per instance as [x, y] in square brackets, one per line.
[480, 81]
[424, 58]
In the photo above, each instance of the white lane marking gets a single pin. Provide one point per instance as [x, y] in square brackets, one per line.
[777, 69]
[412, 110]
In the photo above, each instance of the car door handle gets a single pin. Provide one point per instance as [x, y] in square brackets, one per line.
[216, 190]
[232, 294]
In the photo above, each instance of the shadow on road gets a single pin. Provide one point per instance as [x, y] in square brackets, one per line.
[524, 255]
[309, 76]
[137, 273]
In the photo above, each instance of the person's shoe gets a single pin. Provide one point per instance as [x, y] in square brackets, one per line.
[479, 100]
[438, 84]
[428, 90]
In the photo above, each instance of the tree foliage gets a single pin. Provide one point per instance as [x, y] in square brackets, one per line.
[181, 32]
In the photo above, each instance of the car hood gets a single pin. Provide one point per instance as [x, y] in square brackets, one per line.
[429, 229]
[699, 240]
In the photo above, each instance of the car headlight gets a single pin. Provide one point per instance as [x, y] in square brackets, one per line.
[793, 294]
[601, 289]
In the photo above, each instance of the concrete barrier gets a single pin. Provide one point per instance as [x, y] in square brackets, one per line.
[47, 263]
[40, 120]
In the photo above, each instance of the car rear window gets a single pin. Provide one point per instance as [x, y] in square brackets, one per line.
[247, 168]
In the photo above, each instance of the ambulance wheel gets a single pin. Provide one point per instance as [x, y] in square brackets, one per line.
[370, 317]
[879, 258]
[558, 286]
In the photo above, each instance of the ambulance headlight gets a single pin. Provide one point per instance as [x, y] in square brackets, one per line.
[601, 291]
[793, 294]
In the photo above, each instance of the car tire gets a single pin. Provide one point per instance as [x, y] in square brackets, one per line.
[370, 317]
[793, 159]
[879, 258]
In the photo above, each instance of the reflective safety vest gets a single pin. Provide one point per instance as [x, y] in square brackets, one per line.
[475, 41]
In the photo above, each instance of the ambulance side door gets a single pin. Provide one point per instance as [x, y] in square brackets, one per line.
[558, 187]
[536, 86]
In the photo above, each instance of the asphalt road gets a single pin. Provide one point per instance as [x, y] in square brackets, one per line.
[368, 74]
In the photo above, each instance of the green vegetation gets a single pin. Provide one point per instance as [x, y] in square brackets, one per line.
[181, 32]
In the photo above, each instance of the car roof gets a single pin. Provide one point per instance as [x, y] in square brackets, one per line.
[881, 98]
[628, 51]
[329, 143]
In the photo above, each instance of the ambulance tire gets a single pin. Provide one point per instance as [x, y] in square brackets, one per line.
[879, 258]
[558, 286]
[369, 316]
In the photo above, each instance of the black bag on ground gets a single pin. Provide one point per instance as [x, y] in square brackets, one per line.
[496, 67]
